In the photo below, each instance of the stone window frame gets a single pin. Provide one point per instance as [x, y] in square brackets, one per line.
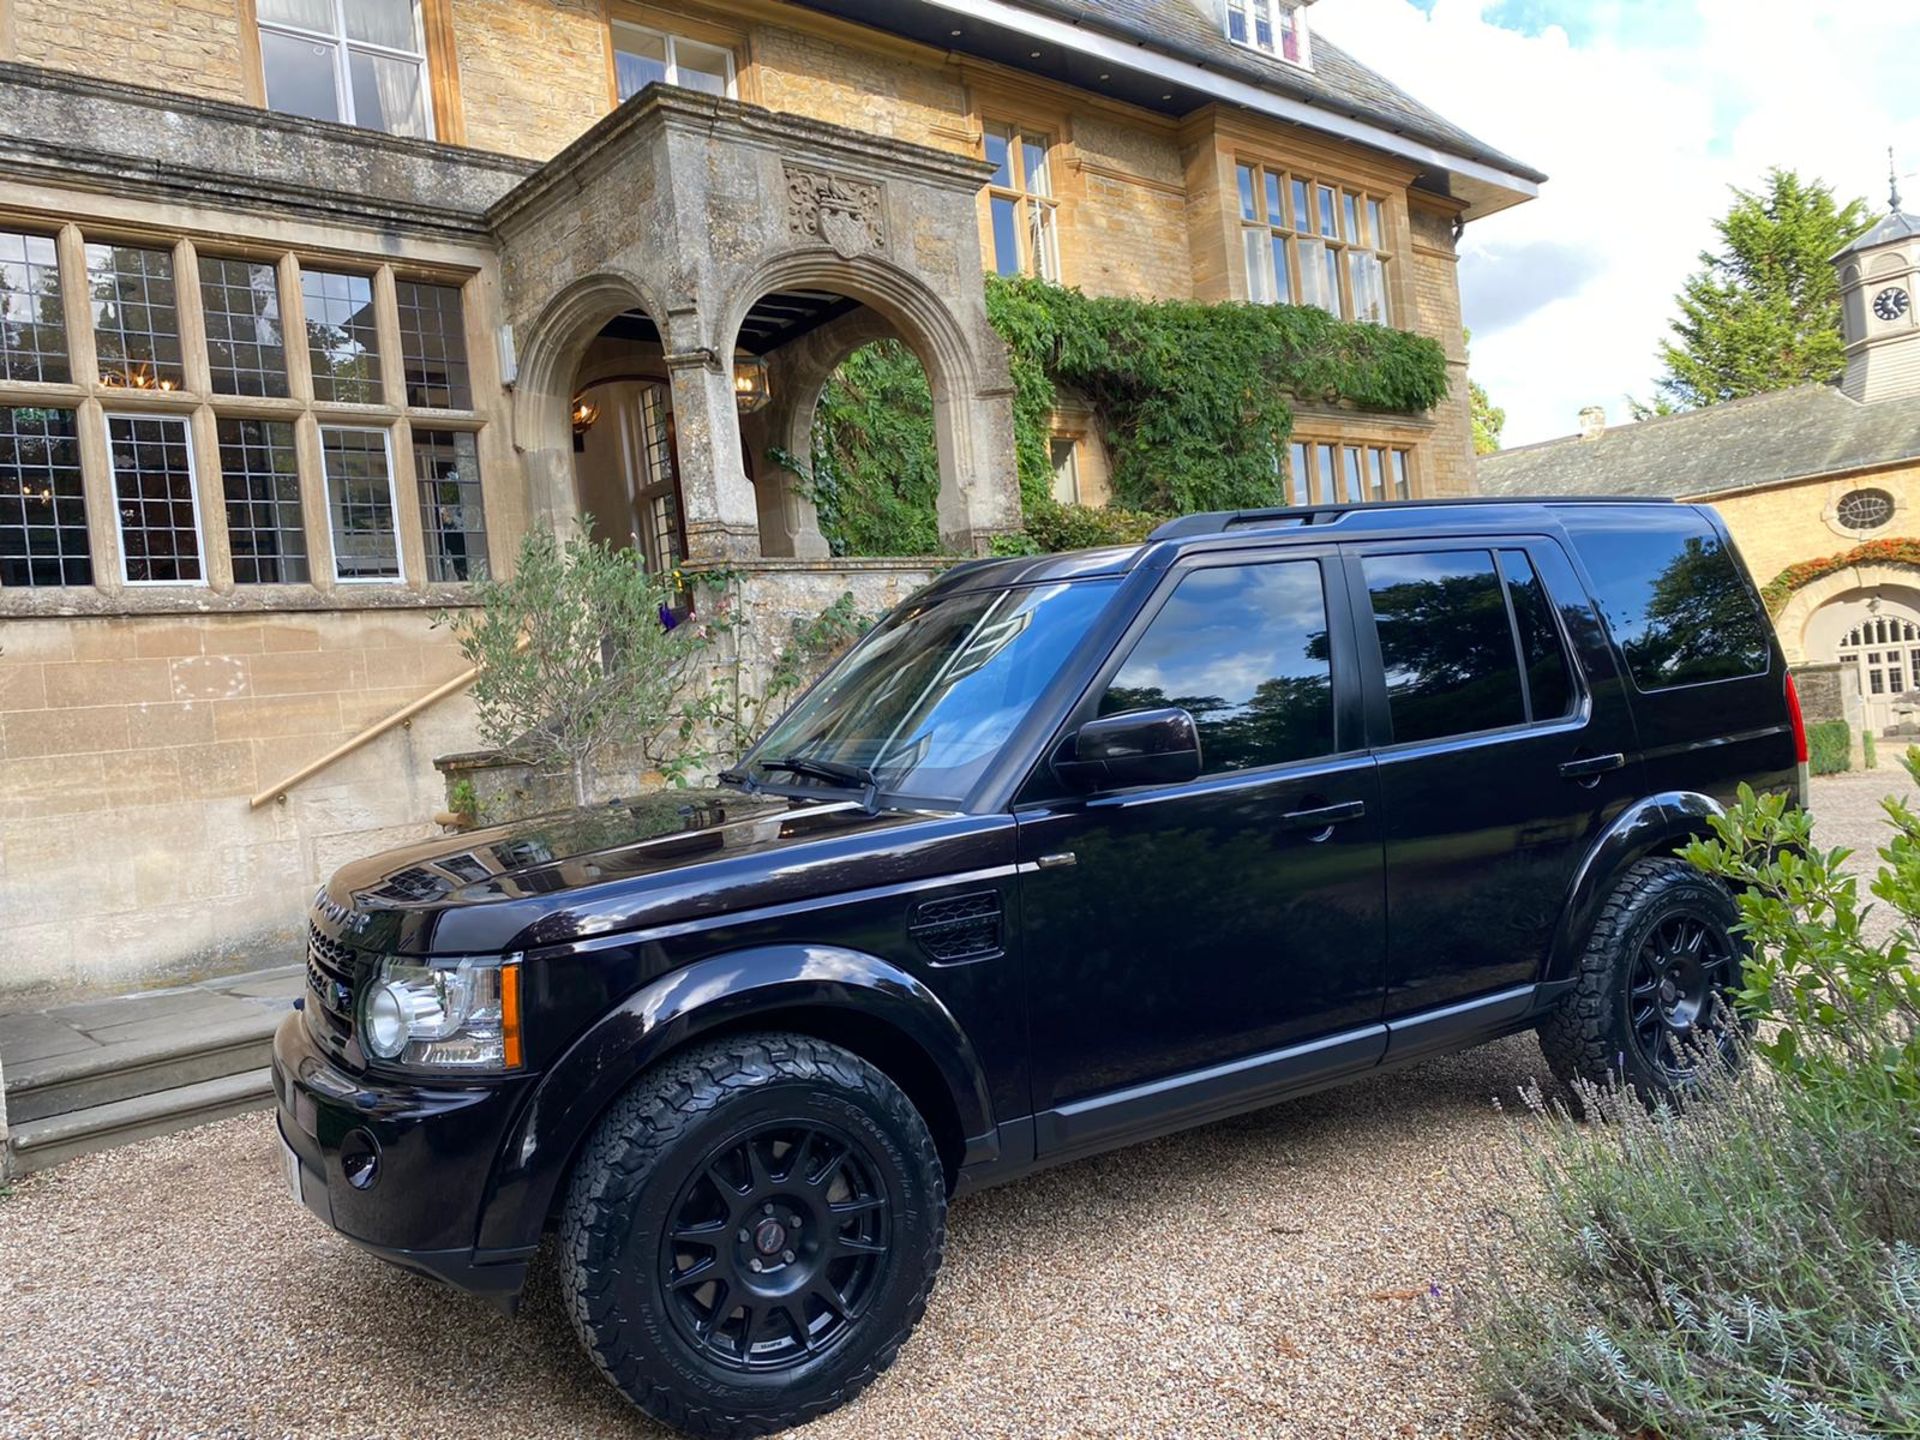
[1329, 462]
[90, 397]
[1035, 212]
[1364, 225]
[344, 46]
[125, 506]
[674, 28]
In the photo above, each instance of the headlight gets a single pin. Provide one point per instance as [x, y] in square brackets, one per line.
[454, 1015]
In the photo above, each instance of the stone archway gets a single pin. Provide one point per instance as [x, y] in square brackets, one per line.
[694, 208]
[543, 389]
[1806, 642]
[972, 424]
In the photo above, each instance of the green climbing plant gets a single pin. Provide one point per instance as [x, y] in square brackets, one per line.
[1194, 401]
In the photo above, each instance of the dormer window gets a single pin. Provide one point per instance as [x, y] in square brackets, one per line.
[1276, 26]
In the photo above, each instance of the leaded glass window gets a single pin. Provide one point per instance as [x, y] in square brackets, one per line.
[360, 510]
[43, 510]
[154, 499]
[433, 346]
[343, 340]
[261, 474]
[447, 466]
[136, 317]
[245, 342]
[33, 317]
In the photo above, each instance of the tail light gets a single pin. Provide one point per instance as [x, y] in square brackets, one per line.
[1799, 722]
[1800, 744]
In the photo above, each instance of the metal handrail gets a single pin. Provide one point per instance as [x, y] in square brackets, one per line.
[404, 715]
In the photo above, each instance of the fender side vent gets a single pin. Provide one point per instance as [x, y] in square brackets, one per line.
[958, 927]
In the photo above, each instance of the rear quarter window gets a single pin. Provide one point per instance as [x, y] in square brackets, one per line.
[1672, 594]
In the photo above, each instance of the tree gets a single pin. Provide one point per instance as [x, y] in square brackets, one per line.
[576, 657]
[1488, 419]
[1763, 312]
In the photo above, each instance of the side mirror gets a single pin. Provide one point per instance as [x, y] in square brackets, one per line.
[1145, 747]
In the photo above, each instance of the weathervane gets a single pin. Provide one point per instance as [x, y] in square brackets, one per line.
[1893, 180]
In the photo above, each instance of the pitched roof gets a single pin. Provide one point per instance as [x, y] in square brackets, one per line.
[1895, 225]
[1796, 434]
[1179, 28]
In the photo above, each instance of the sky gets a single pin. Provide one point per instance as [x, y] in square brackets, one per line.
[1642, 113]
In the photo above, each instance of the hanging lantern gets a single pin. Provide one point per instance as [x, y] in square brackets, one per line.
[752, 383]
[584, 415]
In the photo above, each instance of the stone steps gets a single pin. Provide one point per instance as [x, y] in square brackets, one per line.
[37, 1144]
[89, 1076]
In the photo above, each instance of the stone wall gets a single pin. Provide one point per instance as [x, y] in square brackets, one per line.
[1786, 524]
[1126, 230]
[533, 74]
[129, 748]
[884, 94]
[1436, 297]
[200, 50]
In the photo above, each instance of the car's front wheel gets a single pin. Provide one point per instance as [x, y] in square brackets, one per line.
[1652, 1003]
[752, 1233]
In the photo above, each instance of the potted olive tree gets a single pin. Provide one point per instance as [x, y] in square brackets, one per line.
[582, 657]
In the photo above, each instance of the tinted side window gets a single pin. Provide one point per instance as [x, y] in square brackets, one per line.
[1244, 648]
[1671, 594]
[1447, 643]
[1549, 681]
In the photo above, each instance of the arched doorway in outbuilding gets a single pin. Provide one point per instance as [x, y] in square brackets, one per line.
[1875, 635]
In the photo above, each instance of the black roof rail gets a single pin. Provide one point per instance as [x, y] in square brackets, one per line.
[1218, 522]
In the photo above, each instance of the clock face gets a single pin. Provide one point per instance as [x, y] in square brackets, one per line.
[1891, 303]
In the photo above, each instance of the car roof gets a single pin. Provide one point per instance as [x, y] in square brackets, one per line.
[1308, 524]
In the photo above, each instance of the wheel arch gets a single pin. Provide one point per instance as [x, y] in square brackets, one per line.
[1657, 825]
[859, 1001]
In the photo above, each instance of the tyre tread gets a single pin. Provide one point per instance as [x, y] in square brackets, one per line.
[621, 1157]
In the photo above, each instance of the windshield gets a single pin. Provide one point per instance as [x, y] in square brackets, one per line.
[925, 702]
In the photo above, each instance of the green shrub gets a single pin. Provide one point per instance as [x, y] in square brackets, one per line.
[1749, 1268]
[1746, 1270]
[1830, 747]
[1833, 992]
[1869, 751]
[875, 470]
[1086, 527]
[1195, 400]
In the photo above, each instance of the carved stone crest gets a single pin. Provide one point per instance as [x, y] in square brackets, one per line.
[846, 214]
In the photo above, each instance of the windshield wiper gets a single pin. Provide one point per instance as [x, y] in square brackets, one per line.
[834, 772]
[740, 780]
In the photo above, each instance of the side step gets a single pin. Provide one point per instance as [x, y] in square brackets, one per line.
[37, 1144]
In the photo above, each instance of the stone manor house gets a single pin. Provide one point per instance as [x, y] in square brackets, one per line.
[310, 308]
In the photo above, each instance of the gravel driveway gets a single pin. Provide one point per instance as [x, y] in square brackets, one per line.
[1290, 1273]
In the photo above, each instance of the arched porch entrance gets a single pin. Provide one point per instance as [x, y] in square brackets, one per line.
[703, 235]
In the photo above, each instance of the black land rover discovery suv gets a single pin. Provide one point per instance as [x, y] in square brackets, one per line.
[1068, 852]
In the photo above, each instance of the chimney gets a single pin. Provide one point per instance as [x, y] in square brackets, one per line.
[1593, 420]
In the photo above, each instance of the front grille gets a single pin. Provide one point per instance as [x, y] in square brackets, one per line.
[959, 927]
[331, 971]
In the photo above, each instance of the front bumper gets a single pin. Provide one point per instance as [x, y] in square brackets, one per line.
[432, 1147]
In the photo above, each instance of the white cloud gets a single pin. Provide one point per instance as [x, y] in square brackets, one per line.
[1641, 125]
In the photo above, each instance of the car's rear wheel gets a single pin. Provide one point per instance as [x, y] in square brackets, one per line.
[752, 1233]
[1653, 999]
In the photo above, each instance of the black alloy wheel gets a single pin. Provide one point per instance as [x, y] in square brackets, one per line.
[751, 1233]
[1680, 991]
[1652, 999]
[777, 1246]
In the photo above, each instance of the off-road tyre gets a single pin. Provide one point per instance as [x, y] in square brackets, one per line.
[664, 1149]
[1591, 1037]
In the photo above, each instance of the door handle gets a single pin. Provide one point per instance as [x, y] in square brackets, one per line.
[1325, 817]
[1591, 767]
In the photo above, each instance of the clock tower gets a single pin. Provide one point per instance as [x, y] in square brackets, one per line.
[1880, 299]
